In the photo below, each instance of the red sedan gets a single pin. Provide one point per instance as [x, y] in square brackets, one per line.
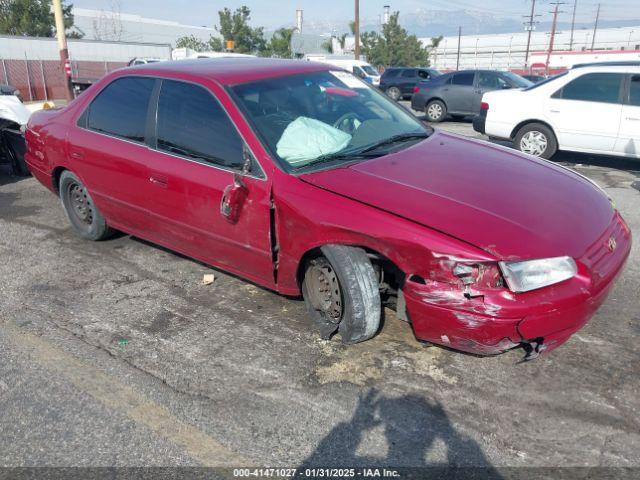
[303, 179]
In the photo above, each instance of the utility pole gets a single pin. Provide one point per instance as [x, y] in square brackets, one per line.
[458, 57]
[62, 46]
[356, 31]
[573, 23]
[553, 34]
[595, 29]
[529, 26]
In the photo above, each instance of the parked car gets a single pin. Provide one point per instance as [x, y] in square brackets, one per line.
[142, 61]
[591, 109]
[13, 119]
[534, 78]
[308, 181]
[359, 68]
[6, 89]
[459, 93]
[399, 82]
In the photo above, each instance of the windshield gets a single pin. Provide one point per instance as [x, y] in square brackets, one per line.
[369, 70]
[519, 81]
[309, 118]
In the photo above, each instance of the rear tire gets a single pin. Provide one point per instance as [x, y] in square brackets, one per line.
[83, 214]
[340, 288]
[394, 93]
[536, 139]
[436, 111]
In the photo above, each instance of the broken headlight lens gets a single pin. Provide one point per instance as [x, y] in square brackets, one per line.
[533, 274]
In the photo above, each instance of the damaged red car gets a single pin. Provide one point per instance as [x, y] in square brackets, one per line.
[305, 180]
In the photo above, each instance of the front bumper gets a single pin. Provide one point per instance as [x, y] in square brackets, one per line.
[500, 320]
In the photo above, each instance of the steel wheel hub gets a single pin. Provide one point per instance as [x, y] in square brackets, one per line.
[324, 290]
[533, 143]
[434, 111]
[81, 203]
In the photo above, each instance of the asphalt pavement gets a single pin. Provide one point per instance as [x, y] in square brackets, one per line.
[115, 354]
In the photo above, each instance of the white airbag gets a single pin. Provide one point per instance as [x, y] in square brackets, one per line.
[306, 139]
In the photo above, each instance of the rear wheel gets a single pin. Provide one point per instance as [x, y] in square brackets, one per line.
[536, 139]
[436, 110]
[83, 214]
[340, 288]
[394, 93]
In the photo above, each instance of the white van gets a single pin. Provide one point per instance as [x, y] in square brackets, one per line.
[359, 68]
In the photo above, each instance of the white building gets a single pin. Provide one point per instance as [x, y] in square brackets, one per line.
[126, 27]
[507, 51]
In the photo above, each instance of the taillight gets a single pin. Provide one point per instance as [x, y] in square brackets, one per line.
[484, 106]
[416, 89]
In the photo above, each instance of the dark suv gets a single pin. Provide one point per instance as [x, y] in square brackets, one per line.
[399, 82]
[460, 93]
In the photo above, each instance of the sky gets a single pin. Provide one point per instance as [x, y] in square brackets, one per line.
[276, 13]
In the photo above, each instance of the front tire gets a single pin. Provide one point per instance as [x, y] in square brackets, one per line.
[83, 214]
[536, 139]
[436, 110]
[341, 291]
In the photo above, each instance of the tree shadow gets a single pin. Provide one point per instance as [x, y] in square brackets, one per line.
[413, 427]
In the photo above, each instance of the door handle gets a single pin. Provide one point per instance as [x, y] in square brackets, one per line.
[634, 119]
[554, 111]
[159, 180]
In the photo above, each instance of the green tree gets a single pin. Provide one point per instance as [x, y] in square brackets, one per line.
[280, 44]
[394, 46]
[192, 42]
[33, 18]
[235, 26]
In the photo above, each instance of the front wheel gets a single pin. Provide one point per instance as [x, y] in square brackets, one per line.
[340, 288]
[536, 139]
[83, 214]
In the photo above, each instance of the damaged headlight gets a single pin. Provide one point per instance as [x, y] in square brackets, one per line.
[533, 274]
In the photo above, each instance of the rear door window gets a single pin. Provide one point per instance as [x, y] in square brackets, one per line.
[465, 78]
[121, 108]
[423, 74]
[593, 87]
[409, 73]
[192, 124]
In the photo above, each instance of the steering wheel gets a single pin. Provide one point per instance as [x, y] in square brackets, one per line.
[347, 122]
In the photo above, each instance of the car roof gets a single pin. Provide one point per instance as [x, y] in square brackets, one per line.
[232, 70]
[606, 68]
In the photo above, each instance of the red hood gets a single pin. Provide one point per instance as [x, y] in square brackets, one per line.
[511, 205]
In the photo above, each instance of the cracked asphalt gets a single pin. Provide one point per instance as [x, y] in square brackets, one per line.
[115, 354]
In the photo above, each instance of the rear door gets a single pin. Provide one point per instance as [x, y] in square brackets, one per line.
[209, 207]
[459, 93]
[407, 80]
[628, 141]
[585, 113]
[107, 151]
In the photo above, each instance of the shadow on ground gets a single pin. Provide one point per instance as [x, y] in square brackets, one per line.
[414, 428]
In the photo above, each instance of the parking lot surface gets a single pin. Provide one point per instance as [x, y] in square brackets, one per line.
[115, 354]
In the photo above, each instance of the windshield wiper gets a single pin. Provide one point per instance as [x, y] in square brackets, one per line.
[330, 157]
[395, 139]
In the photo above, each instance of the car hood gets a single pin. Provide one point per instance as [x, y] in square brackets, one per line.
[509, 204]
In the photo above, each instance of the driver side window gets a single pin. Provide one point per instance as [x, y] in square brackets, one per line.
[192, 124]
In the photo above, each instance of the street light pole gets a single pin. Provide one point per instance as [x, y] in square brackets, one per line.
[62, 46]
[356, 30]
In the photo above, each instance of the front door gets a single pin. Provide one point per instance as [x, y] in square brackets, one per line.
[585, 113]
[210, 206]
[629, 136]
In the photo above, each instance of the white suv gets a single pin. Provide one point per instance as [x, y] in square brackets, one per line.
[592, 108]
